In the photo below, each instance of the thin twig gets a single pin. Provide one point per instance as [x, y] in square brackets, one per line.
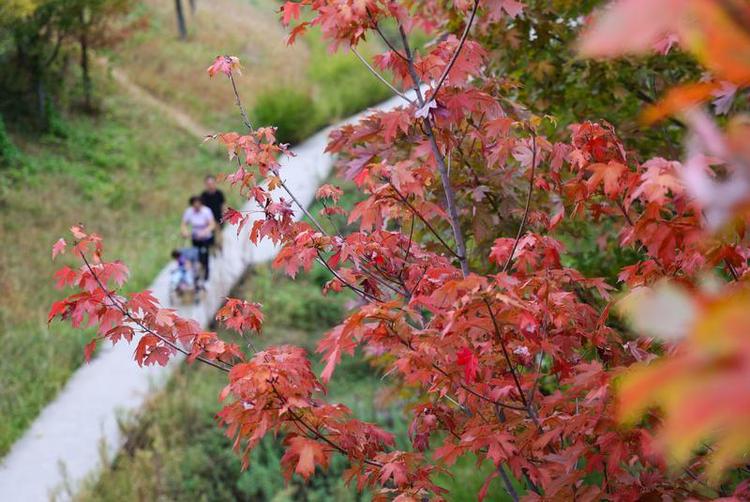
[382, 36]
[460, 46]
[138, 322]
[522, 226]
[302, 207]
[424, 220]
[298, 419]
[364, 294]
[245, 120]
[511, 367]
[380, 77]
[478, 394]
[508, 485]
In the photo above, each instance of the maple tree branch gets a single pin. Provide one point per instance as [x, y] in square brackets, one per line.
[364, 294]
[381, 279]
[303, 208]
[238, 102]
[409, 346]
[318, 435]
[450, 197]
[380, 77]
[522, 226]
[408, 248]
[511, 367]
[247, 123]
[424, 220]
[382, 35]
[477, 394]
[506, 481]
[139, 322]
[460, 46]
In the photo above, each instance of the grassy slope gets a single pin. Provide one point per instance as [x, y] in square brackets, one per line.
[107, 170]
[174, 70]
[127, 174]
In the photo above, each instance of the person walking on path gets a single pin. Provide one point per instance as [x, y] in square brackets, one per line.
[198, 223]
[214, 199]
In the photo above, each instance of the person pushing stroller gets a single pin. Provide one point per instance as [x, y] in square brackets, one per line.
[198, 223]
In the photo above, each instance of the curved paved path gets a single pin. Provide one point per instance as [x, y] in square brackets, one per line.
[68, 439]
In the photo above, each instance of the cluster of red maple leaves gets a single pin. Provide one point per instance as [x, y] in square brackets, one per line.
[505, 352]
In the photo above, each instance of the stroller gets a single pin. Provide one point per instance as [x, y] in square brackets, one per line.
[185, 276]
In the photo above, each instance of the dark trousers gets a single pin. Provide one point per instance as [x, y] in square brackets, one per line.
[203, 247]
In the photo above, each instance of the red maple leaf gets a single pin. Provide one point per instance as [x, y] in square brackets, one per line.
[58, 248]
[466, 358]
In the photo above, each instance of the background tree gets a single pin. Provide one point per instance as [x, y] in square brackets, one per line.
[180, 15]
[36, 44]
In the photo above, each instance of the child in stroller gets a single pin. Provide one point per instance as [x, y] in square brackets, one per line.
[185, 277]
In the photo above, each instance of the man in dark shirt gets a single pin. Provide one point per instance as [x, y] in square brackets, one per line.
[213, 198]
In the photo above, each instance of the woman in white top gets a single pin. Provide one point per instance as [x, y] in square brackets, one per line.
[198, 223]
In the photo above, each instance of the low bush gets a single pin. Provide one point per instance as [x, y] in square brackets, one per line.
[291, 111]
[345, 86]
[9, 154]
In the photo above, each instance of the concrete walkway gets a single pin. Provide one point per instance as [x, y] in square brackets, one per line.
[69, 439]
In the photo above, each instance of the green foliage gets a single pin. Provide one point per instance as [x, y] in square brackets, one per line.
[10, 156]
[38, 41]
[299, 308]
[536, 52]
[594, 251]
[289, 110]
[344, 86]
[339, 86]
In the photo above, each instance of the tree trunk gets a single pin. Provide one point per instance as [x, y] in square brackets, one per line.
[193, 6]
[85, 73]
[41, 98]
[181, 27]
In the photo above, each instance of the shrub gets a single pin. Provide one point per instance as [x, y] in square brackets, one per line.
[346, 87]
[9, 154]
[291, 111]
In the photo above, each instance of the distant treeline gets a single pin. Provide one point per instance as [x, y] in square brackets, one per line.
[43, 43]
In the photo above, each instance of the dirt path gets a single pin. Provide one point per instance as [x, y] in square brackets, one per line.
[180, 118]
[79, 429]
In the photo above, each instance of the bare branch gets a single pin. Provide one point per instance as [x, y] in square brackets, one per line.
[522, 226]
[380, 77]
[460, 46]
[383, 37]
[450, 197]
[238, 102]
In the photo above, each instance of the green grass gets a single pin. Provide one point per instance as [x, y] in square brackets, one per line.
[125, 174]
[174, 70]
[337, 86]
[301, 88]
